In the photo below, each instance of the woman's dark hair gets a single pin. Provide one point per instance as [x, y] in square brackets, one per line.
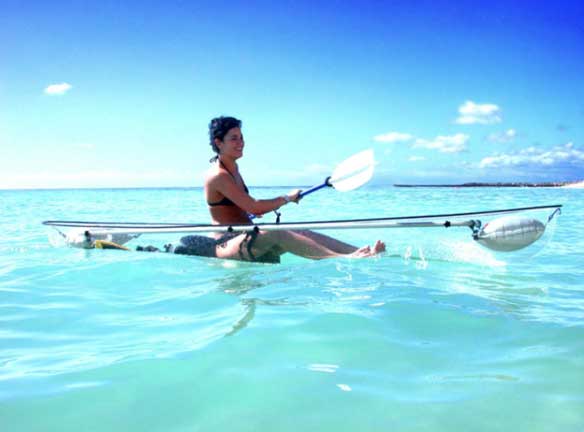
[218, 128]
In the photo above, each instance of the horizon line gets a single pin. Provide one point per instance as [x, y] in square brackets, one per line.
[396, 185]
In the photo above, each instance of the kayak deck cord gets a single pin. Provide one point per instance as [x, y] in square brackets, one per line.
[169, 226]
[558, 211]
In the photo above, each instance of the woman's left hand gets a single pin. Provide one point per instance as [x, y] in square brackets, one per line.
[294, 196]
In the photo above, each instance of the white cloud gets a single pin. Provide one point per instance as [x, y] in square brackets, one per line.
[472, 113]
[503, 137]
[58, 89]
[444, 144]
[565, 154]
[416, 158]
[393, 137]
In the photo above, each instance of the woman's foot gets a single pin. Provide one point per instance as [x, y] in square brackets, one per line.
[368, 251]
[378, 247]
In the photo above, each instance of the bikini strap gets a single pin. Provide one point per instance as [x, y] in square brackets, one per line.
[225, 168]
[232, 176]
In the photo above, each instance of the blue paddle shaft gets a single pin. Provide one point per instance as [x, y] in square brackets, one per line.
[306, 192]
[315, 188]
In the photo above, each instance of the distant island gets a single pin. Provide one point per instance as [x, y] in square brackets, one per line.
[577, 184]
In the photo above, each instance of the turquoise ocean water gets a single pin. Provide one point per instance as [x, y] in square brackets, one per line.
[437, 335]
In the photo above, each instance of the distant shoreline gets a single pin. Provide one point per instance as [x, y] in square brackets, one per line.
[578, 184]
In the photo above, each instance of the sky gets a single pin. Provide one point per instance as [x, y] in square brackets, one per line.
[120, 93]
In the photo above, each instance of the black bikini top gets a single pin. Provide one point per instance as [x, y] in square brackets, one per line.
[226, 201]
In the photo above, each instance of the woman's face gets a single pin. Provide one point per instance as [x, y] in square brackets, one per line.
[232, 144]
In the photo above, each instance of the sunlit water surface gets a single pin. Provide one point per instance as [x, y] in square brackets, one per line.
[438, 334]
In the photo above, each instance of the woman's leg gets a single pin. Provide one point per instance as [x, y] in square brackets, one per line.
[336, 247]
[295, 243]
[329, 242]
[298, 243]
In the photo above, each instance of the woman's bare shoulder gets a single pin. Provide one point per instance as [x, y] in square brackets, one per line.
[216, 175]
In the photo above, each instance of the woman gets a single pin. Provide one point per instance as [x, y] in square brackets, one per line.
[230, 203]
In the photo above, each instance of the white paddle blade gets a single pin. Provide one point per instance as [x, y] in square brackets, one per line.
[353, 172]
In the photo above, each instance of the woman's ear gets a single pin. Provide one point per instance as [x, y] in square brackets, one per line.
[218, 143]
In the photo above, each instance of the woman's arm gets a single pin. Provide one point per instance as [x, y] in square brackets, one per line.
[225, 185]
